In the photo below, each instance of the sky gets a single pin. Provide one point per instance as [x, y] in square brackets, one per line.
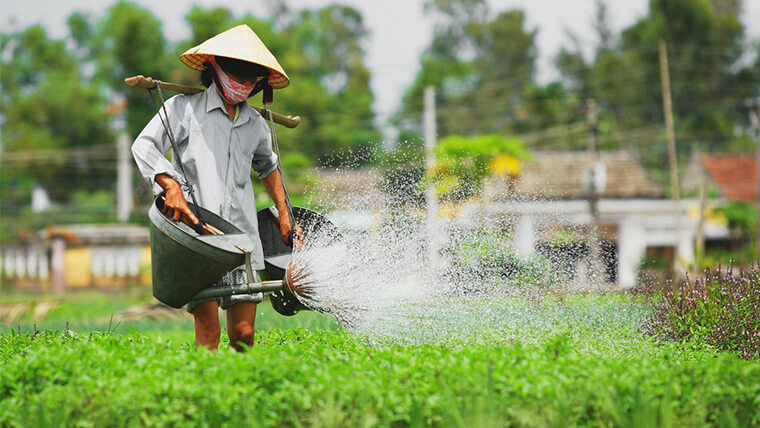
[399, 29]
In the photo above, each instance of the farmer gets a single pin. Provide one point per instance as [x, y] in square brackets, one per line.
[219, 138]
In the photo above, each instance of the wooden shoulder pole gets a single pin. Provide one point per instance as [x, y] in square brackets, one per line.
[141, 81]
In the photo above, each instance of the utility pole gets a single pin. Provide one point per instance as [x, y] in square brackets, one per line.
[667, 106]
[593, 126]
[431, 199]
[594, 183]
[699, 239]
[117, 110]
[123, 178]
[753, 110]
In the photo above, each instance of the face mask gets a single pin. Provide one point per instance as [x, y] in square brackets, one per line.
[231, 90]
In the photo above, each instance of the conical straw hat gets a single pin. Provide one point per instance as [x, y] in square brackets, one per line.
[239, 43]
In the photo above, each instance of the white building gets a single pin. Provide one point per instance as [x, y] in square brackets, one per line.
[634, 215]
[637, 222]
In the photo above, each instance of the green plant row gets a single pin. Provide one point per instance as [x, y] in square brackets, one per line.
[316, 378]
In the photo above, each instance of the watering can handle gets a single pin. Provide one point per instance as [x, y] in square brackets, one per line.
[201, 228]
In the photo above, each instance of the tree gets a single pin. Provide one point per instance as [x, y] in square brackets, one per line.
[47, 105]
[703, 47]
[603, 28]
[705, 42]
[478, 66]
[454, 18]
[447, 63]
[331, 80]
[506, 63]
[205, 23]
[462, 163]
[128, 41]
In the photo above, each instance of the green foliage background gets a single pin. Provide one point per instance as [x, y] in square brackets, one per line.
[58, 133]
[483, 65]
[462, 163]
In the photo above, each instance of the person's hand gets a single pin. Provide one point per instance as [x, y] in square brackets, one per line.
[286, 231]
[175, 205]
[298, 238]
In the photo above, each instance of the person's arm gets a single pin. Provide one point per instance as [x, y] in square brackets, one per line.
[265, 164]
[148, 151]
[273, 184]
[153, 143]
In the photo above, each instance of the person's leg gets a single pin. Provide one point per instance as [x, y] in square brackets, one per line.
[240, 319]
[207, 327]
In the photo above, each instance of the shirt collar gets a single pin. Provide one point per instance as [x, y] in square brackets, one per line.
[214, 101]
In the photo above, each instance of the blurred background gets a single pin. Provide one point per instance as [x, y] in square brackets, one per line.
[634, 122]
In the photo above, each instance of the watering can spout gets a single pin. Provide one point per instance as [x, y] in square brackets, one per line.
[288, 283]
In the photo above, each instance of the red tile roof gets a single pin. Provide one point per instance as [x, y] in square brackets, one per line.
[735, 174]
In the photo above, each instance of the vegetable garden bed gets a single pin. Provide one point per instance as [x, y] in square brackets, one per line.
[576, 375]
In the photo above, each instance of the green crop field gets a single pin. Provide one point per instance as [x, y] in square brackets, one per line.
[588, 367]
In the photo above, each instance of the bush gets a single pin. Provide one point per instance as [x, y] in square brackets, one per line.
[722, 310]
[462, 163]
[490, 258]
[740, 215]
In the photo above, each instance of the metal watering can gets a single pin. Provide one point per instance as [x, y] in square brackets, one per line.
[184, 263]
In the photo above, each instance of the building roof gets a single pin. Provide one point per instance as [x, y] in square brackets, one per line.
[99, 234]
[736, 175]
[560, 175]
[347, 189]
[550, 175]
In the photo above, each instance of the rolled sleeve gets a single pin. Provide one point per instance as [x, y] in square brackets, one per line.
[264, 159]
[150, 147]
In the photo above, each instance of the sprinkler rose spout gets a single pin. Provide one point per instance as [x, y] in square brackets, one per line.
[296, 280]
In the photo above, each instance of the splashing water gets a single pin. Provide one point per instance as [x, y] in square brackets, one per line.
[380, 281]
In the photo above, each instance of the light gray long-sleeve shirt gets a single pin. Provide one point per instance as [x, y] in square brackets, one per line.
[217, 155]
